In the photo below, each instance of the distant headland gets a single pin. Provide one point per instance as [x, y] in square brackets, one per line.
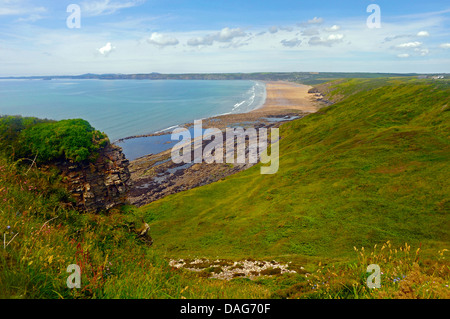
[310, 78]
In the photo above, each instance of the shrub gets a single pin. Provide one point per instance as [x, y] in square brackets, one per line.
[73, 139]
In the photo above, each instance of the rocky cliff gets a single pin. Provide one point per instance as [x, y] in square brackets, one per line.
[99, 185]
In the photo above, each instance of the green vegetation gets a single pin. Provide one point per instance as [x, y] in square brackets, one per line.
[11, 127]
[41, 237]
[371, 170]
[46, 140]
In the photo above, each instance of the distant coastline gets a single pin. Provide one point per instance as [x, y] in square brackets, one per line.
[309, 78]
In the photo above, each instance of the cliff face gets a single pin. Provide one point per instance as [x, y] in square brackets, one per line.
[98, 185]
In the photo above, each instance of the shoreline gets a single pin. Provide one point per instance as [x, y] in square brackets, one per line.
[155, 176]
[167, 129]
[282, 99]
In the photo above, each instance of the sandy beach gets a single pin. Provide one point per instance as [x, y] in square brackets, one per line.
[282, 99]
[155, 176]
[282, 96]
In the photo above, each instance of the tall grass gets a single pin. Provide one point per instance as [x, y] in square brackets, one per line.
[41, 236]
[403, 276]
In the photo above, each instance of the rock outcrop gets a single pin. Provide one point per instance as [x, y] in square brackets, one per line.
[99, 185]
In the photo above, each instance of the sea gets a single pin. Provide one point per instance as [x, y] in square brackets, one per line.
[124, 108]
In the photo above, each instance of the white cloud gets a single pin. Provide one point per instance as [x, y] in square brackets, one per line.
[10, 11]
[162, 40]
[31, 18]
[224, 35]
[409, 45]
[288, 29]
[423, 34]
[333, 28]
[200, 41]
[445, 46]
[310, 32]
[106, 49]
[291, 43]
[335, 37]
[227, 34]
[328, 41]
[403, 55]
[315, 20]
[395, 37]
[20, 8]
[422, 52]
[273, 29]
[105, 7]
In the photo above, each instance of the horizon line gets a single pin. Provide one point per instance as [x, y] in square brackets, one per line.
[215, 73]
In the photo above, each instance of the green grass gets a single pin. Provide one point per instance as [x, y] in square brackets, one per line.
[371, 168]
[41, 237]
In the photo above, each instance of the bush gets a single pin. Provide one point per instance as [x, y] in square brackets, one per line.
[74, 139]
[10, 129]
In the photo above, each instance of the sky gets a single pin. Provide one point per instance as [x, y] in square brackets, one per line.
[59, 37]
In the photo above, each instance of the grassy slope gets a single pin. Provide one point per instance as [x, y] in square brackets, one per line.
[370, 168]
[325, 199]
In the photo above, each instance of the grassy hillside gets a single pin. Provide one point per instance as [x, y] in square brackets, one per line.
[371, 171]
[41, 236]
[371, 168]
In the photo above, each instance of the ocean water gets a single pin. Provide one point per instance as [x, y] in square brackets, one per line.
[123, 108]
[141, 146]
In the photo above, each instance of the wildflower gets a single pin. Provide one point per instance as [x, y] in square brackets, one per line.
[8, 227]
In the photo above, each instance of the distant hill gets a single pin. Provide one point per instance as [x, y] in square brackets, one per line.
[310, 78]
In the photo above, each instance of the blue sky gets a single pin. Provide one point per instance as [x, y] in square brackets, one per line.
[178, 36]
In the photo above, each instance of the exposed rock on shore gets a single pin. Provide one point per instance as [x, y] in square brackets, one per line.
[156, 176]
